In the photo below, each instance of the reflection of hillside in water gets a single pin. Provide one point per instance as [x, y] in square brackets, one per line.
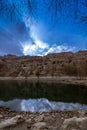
[10, 90]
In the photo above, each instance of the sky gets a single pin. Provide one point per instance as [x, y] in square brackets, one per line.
[42, 30]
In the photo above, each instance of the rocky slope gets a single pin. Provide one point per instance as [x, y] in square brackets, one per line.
[58, 64]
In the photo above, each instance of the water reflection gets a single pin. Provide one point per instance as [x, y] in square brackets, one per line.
[41, 105]
[54, 92]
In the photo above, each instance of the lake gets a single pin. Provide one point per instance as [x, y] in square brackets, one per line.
[42, 96]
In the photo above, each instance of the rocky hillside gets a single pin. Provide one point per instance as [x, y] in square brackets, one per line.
[58, 64]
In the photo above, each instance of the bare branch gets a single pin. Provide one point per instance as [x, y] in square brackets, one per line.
[22, 7]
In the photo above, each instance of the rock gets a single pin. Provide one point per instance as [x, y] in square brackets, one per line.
[1, 116]
[39, 118]
[39, 125]
[75, 124]
[11, 122]
[29, 121]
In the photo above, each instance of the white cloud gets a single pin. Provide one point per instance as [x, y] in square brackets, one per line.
[34, 49]
[35, 35]
[29, 49]
[60, 48]
[37, 46]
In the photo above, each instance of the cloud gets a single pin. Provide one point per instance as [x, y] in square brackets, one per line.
[37, 46]
[33, 46]
[34, 49]
[29, 49]
[60, 48]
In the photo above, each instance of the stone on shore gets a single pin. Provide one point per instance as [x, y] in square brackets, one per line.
[75, 123]
[11, 122]
[1, 116]
[39, 125]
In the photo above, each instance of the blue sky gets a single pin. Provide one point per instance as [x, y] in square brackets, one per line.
[42, 31]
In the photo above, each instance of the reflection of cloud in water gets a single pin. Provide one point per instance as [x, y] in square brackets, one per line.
[40, 105]
[14, 104]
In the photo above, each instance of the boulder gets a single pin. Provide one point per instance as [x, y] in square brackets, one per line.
[75, 123]
[39, 125]
[11, 122]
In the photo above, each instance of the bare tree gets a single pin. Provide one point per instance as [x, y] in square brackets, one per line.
[37, 73]
[83, 69]
[84, 13]
[29, 7]
[56, 6]
[24, 8]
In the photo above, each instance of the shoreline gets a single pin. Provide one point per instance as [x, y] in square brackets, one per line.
[41, 121]
[54, 79]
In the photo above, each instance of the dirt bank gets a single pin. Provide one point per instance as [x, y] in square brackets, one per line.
[61, 79]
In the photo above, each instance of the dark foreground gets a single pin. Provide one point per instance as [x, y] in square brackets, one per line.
[71, 120]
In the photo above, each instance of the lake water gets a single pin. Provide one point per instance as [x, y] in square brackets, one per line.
[40, 96]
